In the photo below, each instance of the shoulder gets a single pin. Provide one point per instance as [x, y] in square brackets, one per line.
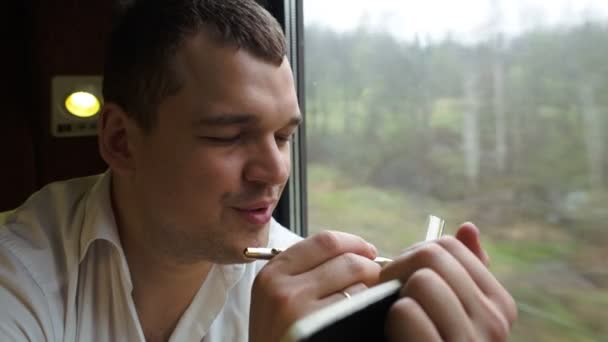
[38, 250]
[55, 203]
[25, 313]
[45, 230]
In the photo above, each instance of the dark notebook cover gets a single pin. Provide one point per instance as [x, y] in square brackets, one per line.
[360, 318]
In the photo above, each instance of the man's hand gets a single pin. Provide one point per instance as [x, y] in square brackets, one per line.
[448, 293]
[309, 275]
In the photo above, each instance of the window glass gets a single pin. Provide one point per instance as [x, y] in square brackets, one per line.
[488, 111]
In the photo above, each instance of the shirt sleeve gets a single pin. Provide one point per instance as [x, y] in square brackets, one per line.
[24, 310]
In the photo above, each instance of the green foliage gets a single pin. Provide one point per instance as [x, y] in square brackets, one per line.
[404, 129]
[536, 267]
[402, 104]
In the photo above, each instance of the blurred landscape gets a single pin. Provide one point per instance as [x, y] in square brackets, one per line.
[508, 132]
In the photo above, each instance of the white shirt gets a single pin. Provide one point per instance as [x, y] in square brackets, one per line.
[64, 276]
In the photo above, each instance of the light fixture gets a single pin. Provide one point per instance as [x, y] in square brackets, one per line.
[75, 104]
[82, 104]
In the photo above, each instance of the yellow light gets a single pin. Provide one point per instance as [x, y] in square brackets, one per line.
[82, 104]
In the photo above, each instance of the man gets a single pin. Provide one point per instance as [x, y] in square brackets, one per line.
[199, 110]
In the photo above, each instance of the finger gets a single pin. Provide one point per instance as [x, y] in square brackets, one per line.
[338, 296]
[433, 256]
[340, 272]
[429, 255]
[356, 288]
[313, 251]
[484, 279]
[440, 303]
[486, 302]
[468, 234]
[407, 321]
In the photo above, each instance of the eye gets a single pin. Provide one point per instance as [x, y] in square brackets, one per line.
[283, 139]
[223, 140]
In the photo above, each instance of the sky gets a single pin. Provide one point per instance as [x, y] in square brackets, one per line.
[465, 20]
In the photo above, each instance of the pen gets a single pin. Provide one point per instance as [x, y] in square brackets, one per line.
[434, 231]
[269, 253]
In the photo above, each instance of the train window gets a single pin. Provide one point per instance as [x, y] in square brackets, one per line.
[484, 110]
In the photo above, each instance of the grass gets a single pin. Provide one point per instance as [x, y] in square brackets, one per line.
[382, 217]
[538, 265]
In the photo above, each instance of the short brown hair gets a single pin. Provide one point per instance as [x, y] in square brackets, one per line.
[138, 72]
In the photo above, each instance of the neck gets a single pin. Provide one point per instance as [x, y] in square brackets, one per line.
[162, 291]
[163, 287]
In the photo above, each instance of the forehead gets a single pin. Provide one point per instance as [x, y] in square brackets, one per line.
[223, 75]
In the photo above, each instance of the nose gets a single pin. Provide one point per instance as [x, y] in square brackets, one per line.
[269, 163]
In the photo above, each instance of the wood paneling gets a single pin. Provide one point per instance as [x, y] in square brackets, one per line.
[48, 38]
[69, 38]
[17, 159]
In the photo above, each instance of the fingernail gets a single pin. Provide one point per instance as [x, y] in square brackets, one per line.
[373, 248]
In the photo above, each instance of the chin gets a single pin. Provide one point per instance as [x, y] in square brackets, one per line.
[259, 239]
[253, 235]
[229, 248]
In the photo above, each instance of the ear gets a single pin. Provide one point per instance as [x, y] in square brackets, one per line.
[117, 133]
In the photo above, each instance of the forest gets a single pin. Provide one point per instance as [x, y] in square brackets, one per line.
[508, 132]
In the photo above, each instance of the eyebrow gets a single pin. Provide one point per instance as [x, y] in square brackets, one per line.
[238, 119]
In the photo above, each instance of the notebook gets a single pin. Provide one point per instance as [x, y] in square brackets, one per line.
[360, 318]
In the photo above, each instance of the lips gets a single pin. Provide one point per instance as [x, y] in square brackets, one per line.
[257, 213]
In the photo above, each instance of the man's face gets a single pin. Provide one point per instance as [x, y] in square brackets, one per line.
[211, 171]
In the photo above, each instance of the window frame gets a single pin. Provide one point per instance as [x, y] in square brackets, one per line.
[291, 210]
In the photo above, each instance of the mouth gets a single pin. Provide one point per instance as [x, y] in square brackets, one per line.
[257, 213]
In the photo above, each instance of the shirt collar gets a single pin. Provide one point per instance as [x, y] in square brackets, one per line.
[99, 222]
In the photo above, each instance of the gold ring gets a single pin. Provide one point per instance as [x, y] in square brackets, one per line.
[346, 294]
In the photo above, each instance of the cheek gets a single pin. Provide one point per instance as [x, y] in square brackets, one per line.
[169, 171]
[287, 161]
[215, 172]
[287, 157]
[193, 189]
